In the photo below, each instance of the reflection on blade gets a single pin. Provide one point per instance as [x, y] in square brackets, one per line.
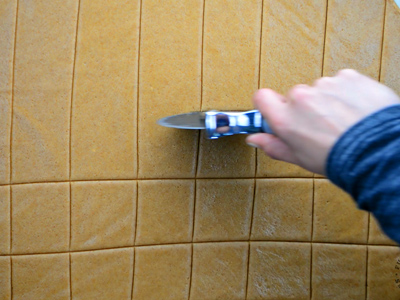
[184, 121]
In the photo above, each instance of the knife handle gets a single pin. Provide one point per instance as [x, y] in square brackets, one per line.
[219, 124]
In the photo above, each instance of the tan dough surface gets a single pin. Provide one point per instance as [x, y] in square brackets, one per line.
[5, 219]
[105, 91]
[283, 210]
[338, 271]
[390, 56]
[219, 271]
[97, 201]
[162, 272]
[44, 276]
[169, 83]
[102, 274]
[279, 271]
[7, 32]
[44, 58]
[223, 210]
[354, 29]
[383, 273]
[40, 218]
[103, 214]
[5, 278]
[165, 211]
[336, 217]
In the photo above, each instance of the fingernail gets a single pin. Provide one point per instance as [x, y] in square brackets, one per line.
[252, 145]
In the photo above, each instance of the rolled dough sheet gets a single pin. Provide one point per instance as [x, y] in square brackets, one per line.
[104, 203]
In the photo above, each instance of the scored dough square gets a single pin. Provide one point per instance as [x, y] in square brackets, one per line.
[4, 219]
[227, 157]
[376, 235]
[336, 217]
[5, 278]
[162, 272]
[40, 218]
[390, 74]
[223, 209]
[338, 272]
[219, 271]
[8, 10]
[104, 108]
[165, 211]
[44, 56]
[44, 276]
[279, 271]
[170, 83]
[283, 210]
[383, 273]
[354, 30]
[103, 214]
[102, 274]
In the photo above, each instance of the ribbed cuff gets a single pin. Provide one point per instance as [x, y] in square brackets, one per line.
[353, 154]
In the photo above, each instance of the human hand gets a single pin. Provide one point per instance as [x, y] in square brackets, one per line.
[309, 119]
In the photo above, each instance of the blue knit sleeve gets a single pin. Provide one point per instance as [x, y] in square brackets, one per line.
[365, 162]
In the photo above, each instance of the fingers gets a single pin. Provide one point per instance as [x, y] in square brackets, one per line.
[269, 102]
[300, 92]
[272, 146]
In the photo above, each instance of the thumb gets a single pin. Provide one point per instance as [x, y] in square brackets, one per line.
[272, 146]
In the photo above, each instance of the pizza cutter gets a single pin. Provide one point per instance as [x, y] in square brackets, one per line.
[218, 123]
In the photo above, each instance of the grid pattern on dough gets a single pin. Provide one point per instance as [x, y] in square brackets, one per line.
[99, 202]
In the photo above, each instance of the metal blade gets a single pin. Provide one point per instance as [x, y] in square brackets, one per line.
[195, 120]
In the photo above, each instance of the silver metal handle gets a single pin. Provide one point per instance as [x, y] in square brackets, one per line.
[220, 123]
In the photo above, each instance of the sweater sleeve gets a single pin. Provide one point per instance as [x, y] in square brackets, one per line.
[365, 162]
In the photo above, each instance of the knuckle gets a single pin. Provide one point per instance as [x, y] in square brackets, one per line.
[299, 92]
[323, 81]
[347, 73]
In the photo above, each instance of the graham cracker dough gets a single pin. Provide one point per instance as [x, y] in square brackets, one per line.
[102, 274]
[97, 201]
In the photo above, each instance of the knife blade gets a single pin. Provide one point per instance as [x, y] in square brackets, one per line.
[218, 124]
[194, 120]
